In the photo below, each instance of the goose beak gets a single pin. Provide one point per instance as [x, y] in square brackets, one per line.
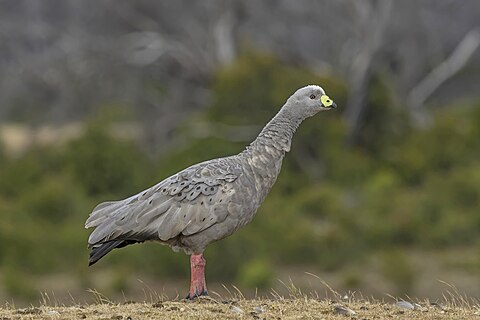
[332, 106]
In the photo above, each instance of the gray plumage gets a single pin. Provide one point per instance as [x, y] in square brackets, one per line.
[207, 201]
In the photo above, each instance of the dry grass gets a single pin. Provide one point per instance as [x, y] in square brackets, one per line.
[299, 308]
[296, 306]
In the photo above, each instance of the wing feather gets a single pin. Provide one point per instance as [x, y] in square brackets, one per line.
[183, 204]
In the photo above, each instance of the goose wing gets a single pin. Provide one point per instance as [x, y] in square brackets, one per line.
[183, 204]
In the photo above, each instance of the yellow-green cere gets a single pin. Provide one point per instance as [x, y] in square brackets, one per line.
[326, 101]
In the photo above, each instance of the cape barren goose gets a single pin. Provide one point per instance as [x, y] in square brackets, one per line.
[207, 201]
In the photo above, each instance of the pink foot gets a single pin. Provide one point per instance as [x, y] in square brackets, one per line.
[198, 287]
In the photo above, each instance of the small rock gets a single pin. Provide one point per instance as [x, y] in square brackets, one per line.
[53, 313]
[230, 301]
[158, 305]
[129, 318]
[405, 305]
[214, 310]
[82, 316]
[417, 306]
[338, 309]
[258, 310]
[420, 307]
[29, 311]
[438, 305]
[173, 308]
[236, 309]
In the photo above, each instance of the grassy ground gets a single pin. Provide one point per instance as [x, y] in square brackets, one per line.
[278, 308]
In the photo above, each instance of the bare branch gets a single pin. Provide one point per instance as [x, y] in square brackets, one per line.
[445, 70]
[224, 38]
[374, 30]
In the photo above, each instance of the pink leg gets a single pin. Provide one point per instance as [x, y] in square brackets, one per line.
[198, 287]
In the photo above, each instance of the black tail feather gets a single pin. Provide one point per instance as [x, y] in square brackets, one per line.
[98, 251]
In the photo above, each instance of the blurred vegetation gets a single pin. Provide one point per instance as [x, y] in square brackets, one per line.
[398, 188]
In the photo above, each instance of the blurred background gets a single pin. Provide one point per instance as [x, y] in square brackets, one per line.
[99, 100]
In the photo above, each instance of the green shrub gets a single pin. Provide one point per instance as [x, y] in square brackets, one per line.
[105, 165]
[256, 274]
[19, 175]
[55, 201]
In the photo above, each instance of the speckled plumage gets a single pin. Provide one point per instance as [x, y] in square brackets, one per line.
[207, 201]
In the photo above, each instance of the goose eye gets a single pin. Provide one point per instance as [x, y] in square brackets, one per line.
[312, 96]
